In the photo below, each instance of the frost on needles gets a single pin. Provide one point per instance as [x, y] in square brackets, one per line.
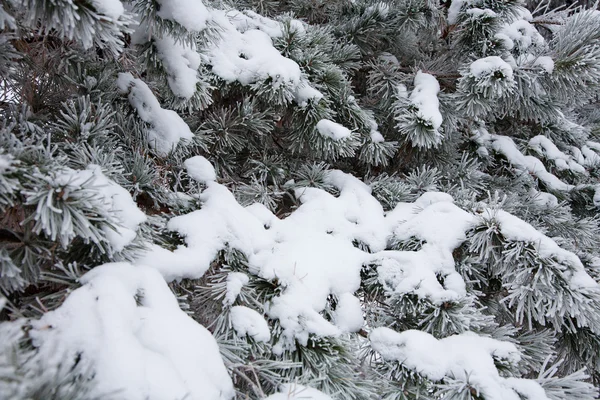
[299, 200]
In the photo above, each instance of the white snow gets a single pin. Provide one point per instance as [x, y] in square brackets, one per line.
[546, 63]
[110, 8]
[292, 391]
[168, 128]
[191, 14]
[332, 130]
[487, 66]
[181, 63]
[467, 356]
[455, 9]
[126, 215]
[424, 97]
[235, 282]
[6, 162]
[348, 313]
[246, 321]
[546, 147]
[125, 322]
[505, 146]
[200, 169]
[311, 253]
[523, 35]
[516, 229]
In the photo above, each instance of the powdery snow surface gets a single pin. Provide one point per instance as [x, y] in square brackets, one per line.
[516, 229]
[467, 356]
[168, 128]
[487, 66]
[116, 199]
[332, 130]
[125, 321]
[248, 322]
[191, 14]
[200, 169]
[111, 8]
[294, 391]
[181, 63]
[424, 97]
[327, 225]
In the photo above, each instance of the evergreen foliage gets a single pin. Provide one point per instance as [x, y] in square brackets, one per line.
[179, 134]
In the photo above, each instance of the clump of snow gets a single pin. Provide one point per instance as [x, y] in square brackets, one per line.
[6, 162]
[292, 391]
[246, 321]
[348, 313]
[305, 92]
[489, 66]
[505, 146]
[312, 253]
[235, 282]
[117, 200]
[481, 13]
[125, 322]
[191, 14]
[168, 128]
[200, 169]
[545, 146]
[523, 35]
[467, 357]
[110, 8]
[516, 229]
[424, 98]
[332, 130]
[181, 62]
[546, 63]
[455, 9]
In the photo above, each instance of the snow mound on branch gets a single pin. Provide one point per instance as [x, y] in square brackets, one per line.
[332, 130]
[191, 14]
[235, 282]
[111, 8]
[246, 321]
[168, 128]
[298, 392]
[200, 169]
[118, 201]
[181, 63]
[487, 66]
[467, 357]
[126, 324]
[315, 253]
[424, 97]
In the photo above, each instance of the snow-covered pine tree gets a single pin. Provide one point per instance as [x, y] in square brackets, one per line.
[299, 199]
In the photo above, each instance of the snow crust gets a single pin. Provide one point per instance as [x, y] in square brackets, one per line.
[168, 128]
[246, 321]
[125, 321]
[117, 200]
[200, 169]
[424, 97]
[332, 130]
[466, 356]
